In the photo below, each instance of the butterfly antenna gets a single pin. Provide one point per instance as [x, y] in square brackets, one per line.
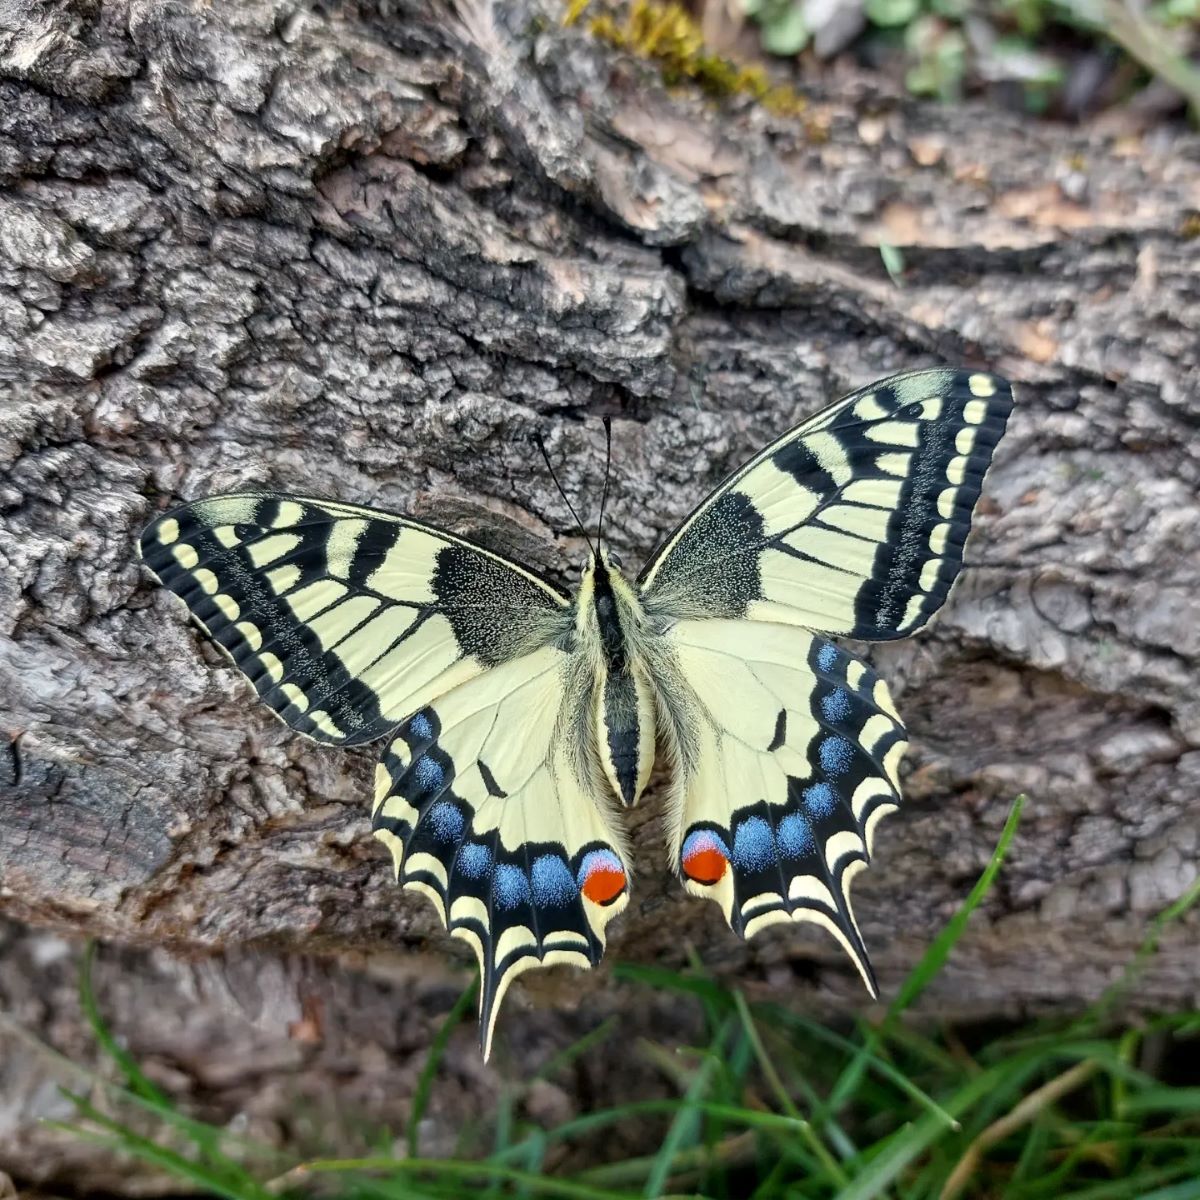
[607, 472]
[541, 445]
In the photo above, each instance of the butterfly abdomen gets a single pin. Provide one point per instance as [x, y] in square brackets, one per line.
[609, 613]
[625, 731]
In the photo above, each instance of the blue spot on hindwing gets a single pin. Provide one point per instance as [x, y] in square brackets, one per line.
[835, 705]
[835, 755]
[419, 726]
[447, 821]
[753, 845]
[597, 860]
[428, 773]
[553, 883]
[827, 656]
[510, 888]
[704, 857]
[474, 861]
[820, 800]
[700, 840]
[795, 836]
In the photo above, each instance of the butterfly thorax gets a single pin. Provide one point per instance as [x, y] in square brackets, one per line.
[608, 620]
[609, 624]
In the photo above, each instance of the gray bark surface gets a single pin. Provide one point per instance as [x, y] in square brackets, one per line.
[365, 254]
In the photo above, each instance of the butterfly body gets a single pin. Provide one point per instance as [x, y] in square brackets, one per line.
[610, 627]
[521, 720]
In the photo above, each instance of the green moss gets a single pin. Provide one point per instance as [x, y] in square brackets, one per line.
[667, 35]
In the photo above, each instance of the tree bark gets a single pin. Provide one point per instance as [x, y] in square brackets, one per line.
[365, 253]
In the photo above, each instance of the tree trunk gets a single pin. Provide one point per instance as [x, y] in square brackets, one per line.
[364, 255]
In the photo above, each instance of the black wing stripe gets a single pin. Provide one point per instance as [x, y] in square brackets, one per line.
[754, 549]
[345, 619]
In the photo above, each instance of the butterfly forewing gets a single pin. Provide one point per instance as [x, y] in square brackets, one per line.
[852, 523]
[345, 619]
[486, 800]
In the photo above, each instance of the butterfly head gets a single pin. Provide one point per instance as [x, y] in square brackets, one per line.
[603, 559]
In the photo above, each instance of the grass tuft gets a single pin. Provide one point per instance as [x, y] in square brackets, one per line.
[771, 1104]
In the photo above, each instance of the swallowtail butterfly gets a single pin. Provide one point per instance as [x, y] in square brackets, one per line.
[520, 720]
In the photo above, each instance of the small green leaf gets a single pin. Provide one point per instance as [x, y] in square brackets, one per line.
[890, 13]
[893, 262]
[1183, 10]
[1030, 16]
[1014, 58]
[788, 34]
[437, 1049]
[921, 80]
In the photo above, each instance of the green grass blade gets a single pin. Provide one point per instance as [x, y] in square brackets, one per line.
[874, 1061]
[437, 1050]
[931, 962]
[1134, 1189]
[226, 1179]
[673, 981]
[399, 1189]
[904, 1148]
[565, 1057]
[503, 1134]
[686, 1125]
[1188, 1190]
[730, 1151]
[818, 1147]
[1174, 1100]
[1149, 946]
[765, 1122]
[939, 950]
[539, 1185]
[893, 262]
[137, 1081]
[142, 1092]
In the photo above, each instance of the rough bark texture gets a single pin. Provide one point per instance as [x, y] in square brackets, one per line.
[365, 253]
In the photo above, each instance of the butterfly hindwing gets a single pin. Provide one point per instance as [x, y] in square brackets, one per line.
[853, 522]
[345, 619]
[490, 807]
[789, 751]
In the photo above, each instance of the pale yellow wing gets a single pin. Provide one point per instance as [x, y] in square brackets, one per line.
[492, 807]
[346, 619]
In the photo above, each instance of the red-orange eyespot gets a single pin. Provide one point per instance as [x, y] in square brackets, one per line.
[705, 858]
[601, 876]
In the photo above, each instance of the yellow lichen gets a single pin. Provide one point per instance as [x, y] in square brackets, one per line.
[667, 35]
